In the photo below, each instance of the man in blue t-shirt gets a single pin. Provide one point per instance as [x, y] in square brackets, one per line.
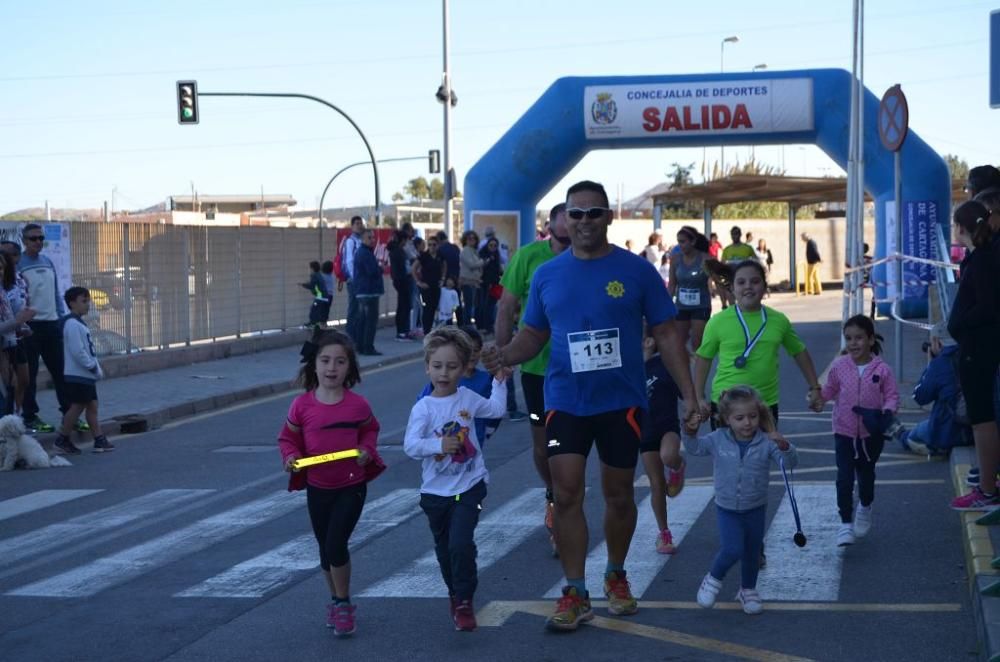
[591, 302]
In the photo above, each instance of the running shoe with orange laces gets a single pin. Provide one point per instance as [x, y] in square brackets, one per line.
[619, 594]
[571, 610]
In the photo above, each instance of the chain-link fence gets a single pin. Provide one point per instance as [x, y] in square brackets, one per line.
[155, 286]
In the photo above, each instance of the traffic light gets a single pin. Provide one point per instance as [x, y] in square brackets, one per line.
[434, 161]
[187, 102]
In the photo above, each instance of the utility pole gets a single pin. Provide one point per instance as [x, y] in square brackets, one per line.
[448, 101]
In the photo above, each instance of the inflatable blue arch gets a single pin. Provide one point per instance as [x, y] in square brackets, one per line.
[577, 115]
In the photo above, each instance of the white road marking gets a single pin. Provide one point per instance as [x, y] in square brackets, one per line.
[643, 562]
[78, 528]
[123, 566]
[271, 448]
[810, 573]
[256, 577]
[38, 500]
[498, 533]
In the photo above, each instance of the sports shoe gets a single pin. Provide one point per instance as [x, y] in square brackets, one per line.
[341, 619]
[38, 425]
[102, 445]
[845, 535]
[571, 610]
[750, 599]
[862, 521]
[675, 480]
[665, 542]
[708, 591]
[619, 594]
[518, 416]
[464, 616]
[66, 446]
[403, 337]
[81, 426]
[975, 500]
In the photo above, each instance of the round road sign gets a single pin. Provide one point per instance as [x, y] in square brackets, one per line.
[893, 118]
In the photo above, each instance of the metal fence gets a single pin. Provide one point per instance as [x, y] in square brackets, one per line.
[155, 286]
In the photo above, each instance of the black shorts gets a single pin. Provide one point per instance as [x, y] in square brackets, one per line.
[79, 394]
[977, 375]
[701, 314]
[534, 397]
[715, 423]
[617, 434]
[652, 433]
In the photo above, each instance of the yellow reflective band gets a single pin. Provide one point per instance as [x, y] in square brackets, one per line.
[327, 457]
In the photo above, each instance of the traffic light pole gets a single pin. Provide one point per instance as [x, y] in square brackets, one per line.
[340, 172]
[292, 95]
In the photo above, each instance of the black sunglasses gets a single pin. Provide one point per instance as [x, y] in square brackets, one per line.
[576, 213]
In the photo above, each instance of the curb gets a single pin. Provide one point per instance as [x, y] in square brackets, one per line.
[979, 552]
[158, 418]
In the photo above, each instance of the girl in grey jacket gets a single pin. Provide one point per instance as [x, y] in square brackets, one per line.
[743, 450]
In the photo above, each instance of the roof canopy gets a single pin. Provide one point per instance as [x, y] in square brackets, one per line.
[796, 191]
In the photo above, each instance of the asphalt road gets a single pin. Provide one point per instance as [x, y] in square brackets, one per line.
[188, 547]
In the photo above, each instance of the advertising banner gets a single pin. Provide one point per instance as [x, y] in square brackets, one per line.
[692, 109]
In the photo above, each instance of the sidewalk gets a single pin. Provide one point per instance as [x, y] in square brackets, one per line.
[164, 395]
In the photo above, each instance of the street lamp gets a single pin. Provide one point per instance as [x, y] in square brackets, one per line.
[722, 69]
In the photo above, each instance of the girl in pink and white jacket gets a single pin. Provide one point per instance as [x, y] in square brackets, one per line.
[863, 389]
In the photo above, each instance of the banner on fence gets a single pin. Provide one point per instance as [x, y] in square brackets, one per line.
[57, 247]
[382, 237]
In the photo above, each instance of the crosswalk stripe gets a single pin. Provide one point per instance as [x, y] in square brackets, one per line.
[643, 562]
[53, 536]
[497, 534]
[123, 566]
[810, 573]
[38, 500]
[256, 577]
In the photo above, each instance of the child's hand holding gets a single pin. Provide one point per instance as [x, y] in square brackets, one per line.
[815, 399]
[779, 441]
[450, 445]
[290, 464]
[691, 424]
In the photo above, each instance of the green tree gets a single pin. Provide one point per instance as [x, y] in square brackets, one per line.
[957, 167]
[437, 189]
[680, 175]
[417, 188]
[398, 197]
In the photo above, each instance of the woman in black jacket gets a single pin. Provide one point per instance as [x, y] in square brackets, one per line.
[401, 282]
[490, 255]
[975, 324]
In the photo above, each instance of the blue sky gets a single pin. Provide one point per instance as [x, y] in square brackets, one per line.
[87, 98]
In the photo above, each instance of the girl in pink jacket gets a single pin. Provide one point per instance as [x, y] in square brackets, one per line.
[865, 397]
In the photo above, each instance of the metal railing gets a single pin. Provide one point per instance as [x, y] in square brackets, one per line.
[155, 286]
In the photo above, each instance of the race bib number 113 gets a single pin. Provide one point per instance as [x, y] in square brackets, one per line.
[594, 350]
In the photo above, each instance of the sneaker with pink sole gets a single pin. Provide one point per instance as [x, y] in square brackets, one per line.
[665, 542]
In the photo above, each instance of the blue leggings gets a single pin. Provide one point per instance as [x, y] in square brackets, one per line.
[741, 535]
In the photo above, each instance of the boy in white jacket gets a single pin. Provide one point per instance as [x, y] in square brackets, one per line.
[441, 432]
[81, 370]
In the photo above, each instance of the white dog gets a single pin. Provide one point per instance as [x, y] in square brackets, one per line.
[19, 449]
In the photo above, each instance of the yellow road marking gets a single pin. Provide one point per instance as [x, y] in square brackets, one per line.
[496, 613]
[486, 618]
